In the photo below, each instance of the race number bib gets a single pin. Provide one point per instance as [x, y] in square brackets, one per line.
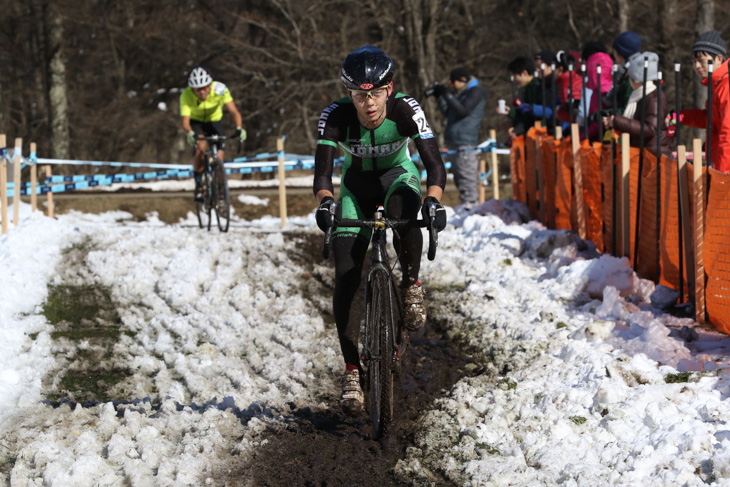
[424, 131]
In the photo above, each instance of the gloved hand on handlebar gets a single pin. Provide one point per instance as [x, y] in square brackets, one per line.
[324, 215]
[191, 137]
[241, 133]
[439, 221]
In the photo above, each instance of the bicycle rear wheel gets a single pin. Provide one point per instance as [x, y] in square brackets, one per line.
[221, 196]
[202, 208]
[380, 326]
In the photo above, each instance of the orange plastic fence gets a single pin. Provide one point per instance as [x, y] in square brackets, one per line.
[517, 166]
[659, 246]
[717, 251]
[670, 247]
[549, 170]
[564, 219]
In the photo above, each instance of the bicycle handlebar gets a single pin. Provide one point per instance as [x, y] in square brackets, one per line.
[214, 137]
[386, 223]
[220, 138]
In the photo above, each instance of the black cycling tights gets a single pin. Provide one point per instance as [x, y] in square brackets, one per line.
[349, 254]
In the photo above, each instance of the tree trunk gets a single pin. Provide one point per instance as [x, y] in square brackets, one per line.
[57, 94]
[623, 15]
[419, 67]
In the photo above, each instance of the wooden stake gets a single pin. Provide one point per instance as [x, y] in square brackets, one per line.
[578, 183]
[33, 180]
[282, 181]
[684, 215]
[540, 177]
[625, 226]
[50, 192]
[495, 166]
[16, 182]
[699, 228]
[3, 185]
[482, 171]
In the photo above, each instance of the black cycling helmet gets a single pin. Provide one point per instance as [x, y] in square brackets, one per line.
[367, 68]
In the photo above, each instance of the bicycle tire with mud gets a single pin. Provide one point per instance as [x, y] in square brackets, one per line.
[203, 208]
[380, 325]
[221, 196]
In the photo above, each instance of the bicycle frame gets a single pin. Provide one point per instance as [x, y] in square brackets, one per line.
[379, 263]
[216, 195]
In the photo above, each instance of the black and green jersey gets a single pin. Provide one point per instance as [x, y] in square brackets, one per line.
[379, 149]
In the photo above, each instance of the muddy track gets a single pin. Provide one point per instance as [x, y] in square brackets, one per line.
[331, 449]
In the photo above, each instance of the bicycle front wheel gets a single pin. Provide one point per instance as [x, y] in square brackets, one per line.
[221, 196]
[202, 208]
[380, 326]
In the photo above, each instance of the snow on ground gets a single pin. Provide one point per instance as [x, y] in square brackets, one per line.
[578, 387]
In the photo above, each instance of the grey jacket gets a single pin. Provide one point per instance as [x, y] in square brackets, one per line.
[464, 111]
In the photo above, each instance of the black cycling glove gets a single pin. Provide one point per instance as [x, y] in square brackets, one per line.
[439, 221]
[324, 215]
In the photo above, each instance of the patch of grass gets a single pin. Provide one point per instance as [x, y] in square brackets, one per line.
[86, 313]
[507, 262]
[489, 449]
[90, 384]
[507, 384]
[561, 325]
[7, 462]
[72, 304]
[578, 420]
[83, 247]
[677, 378]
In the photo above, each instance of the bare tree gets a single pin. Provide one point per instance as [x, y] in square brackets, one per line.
[623, 15]
[57, 92]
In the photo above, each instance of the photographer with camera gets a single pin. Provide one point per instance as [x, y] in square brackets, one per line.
[464, 109]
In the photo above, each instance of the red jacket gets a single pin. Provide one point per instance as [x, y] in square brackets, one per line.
[720, 136]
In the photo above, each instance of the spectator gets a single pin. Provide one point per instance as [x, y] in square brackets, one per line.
[548, 59]
[464, 110]
[710, 46]
[626, 47]
[589, 49]
[522, 69]
[606, 63]
[563, 61]
[527, 107]
[630, 121]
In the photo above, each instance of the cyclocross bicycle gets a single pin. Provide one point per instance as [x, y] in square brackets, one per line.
[384, 337]
[214, 186]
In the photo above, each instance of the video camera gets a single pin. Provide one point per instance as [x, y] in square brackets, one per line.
[431, 90]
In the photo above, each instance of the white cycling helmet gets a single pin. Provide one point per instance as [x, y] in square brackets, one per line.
[199, 77]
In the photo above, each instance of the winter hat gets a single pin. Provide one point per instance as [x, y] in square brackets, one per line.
[548, 57]
[627, 43]
[459, 74]
[636, 70]
[710, 42]
[590, 48]
[592, 66]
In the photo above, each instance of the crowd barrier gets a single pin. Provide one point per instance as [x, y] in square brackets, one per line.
[267, 162]
[601, 191]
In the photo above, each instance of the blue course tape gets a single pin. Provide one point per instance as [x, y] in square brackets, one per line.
[59, 184]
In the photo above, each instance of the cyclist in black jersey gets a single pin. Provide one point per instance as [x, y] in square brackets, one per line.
[373, 125]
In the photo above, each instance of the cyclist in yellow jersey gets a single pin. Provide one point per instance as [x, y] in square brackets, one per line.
[201, 108]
